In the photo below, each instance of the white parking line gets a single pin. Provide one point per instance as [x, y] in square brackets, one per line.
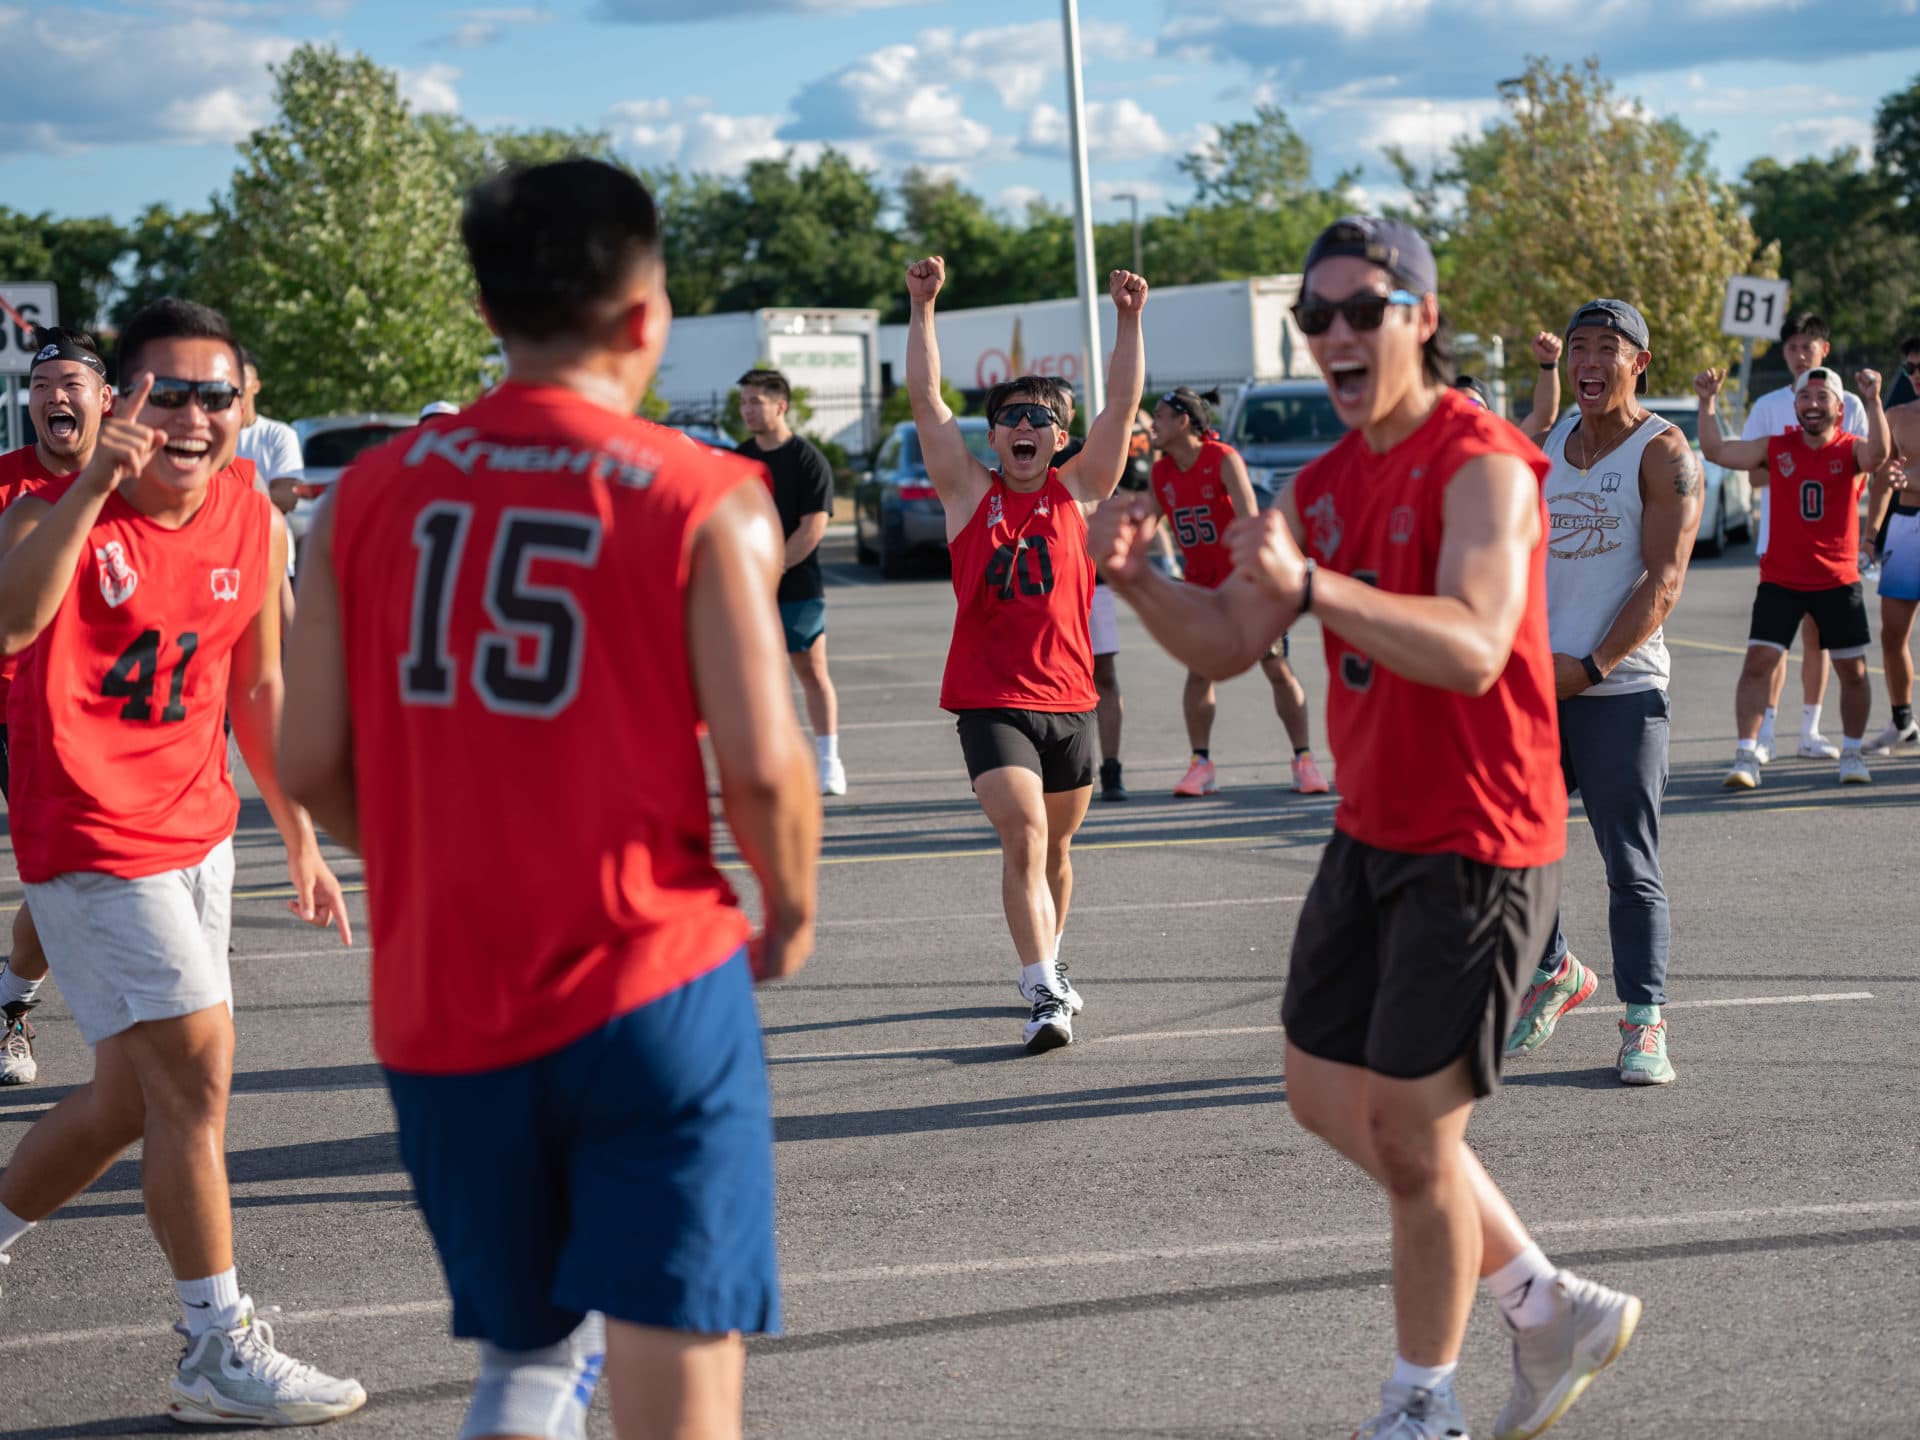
[1078, 1259]
[1081, 909]
[937, 1052]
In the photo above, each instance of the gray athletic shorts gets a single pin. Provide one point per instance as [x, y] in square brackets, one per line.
[127, 951]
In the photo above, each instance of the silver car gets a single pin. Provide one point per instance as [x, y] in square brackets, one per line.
[1726, 509]
[330, 443]
[1278, 426]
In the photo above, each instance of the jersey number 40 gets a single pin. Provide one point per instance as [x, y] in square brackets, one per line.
[521, 612]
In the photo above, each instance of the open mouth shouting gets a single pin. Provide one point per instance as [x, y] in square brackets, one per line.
[1590, 389]
[62, 426]
[1025, 449]
[1349, 379]
[183, 456]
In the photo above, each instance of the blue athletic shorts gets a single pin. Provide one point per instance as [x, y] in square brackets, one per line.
[805, 621]
[1900, 556]
[630, 1172]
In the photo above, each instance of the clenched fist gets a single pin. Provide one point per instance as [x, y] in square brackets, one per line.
[1120, 536]
[1129, 291]
[1708, 382]
[1265, 552]
[924, 279]
[1867, 382]
[1547, 347]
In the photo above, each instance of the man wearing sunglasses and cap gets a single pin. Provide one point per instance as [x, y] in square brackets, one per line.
[1623, 503]
[67, 398]
[144, 591]
[1816, 473]
[1419, 541]
[1019, 676]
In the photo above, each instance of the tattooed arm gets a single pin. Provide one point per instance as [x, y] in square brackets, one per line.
[1670, 495]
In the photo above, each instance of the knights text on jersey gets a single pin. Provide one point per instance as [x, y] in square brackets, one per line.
[1813, 540]
[1425, 770]
[533, 802]
[1024, 582]
[118, 749]
[1199, 508]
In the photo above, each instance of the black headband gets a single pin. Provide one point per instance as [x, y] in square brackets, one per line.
[67, 350]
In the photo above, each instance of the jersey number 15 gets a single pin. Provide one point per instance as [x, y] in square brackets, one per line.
[546, 616]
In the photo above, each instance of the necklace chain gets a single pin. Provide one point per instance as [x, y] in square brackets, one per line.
[1594, 452]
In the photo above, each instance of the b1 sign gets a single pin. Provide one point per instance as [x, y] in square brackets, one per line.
[1755, 308]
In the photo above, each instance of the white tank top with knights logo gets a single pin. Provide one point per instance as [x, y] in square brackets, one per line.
[1593, 554]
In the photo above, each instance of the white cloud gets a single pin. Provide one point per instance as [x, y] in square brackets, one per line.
[1114, 128]
[1016, 198]
[669, 11]
[695, 137]
[92, 78]
[641, 112]
[1764, 101]
[475, 29]
[429, 88]
[1820, 135]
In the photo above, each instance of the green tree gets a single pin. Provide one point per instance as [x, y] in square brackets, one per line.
[1896, 149]
[469, 154]
[986, 254]
[337, 255]
[77, 255]
[812, 236]
[168, 257]
[1843, 245]
[1575, 193]
[898, 406]
[699, 222]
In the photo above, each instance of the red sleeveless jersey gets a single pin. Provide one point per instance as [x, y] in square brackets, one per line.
[119, 754]
[1197, 505]
[1425, 770]
[21, 473]
[1813, 531]
[533, 804]
[1024, 580]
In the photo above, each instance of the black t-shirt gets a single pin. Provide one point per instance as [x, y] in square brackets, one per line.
[802, 486]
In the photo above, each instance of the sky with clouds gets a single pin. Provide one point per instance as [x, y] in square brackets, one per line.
[111, 106]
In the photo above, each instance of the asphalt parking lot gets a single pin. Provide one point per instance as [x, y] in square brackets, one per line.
[1130, 1237]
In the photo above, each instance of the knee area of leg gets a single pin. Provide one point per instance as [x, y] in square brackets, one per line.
[538, 1392]
[1409, 1164]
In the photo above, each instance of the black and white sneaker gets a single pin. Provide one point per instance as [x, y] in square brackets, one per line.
[1111, 790]
[17, 1065]
[1051, 1024]
[1062, 987]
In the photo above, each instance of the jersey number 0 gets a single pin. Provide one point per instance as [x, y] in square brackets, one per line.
[522, 612]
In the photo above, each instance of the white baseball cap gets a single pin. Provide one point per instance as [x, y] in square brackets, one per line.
[438, 407]
[1823, 373]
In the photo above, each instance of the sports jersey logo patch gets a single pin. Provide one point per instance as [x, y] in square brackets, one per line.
[1582, 530]
[1400, 524]
[995, 514]
[117, 577]
[1043, 506]
[1610, 483]
[1785, 462]
[226, 584]
[1323, 527]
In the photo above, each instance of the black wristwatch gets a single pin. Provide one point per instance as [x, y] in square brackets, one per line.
[1554, 366]
[1306, 586]
[1594, 677]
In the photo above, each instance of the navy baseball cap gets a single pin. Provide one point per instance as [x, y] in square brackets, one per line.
[1615, 315]
[1395, 246]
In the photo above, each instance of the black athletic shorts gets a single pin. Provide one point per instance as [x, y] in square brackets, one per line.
[1839, 613]
[1404, 963]
[1056, 747]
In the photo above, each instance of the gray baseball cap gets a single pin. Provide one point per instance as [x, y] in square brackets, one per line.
[1615, 315]
[1395, 246]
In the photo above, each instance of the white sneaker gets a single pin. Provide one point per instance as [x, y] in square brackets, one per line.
[1892, 737]
[1763, 751]
[1554, 1363]
[17, 1065]
[1410, 1412]
[1817, 747]
[1745, 774]
[1051, 1023]
[1853, 769]
[1062, 987]
[238, 1377]
[833, 777]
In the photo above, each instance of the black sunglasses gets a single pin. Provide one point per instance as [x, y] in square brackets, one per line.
[1912, 367]
[171, 393]
[1363, 311]
[1038, 416]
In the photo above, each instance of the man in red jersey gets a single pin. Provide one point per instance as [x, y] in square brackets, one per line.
[1419, 541]
[146, 586]
[1201, 487]
[548, 573]
[1019, 674]
[1811, 567]
[67, 398]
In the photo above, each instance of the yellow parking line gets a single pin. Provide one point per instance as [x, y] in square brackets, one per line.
[1737, 650]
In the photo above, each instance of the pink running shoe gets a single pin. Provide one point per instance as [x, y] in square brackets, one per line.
[1198, 780]
[1307, 778]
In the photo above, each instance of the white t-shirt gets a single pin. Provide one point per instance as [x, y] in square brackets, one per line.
[274, 449]
[1772, 414]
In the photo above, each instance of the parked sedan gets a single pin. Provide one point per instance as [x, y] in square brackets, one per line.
[330, 443]
[1726, 508]
[1278, 426]
[896, 514]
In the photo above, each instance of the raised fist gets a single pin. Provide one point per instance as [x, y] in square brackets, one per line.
[1867, 382]
[1129, 291]
[1707, 383]
[924, 279]
[1546, 347]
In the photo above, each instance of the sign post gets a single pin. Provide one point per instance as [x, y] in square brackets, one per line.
[1755, 309]
[23, 306]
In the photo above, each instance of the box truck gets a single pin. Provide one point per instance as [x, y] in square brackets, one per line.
[832, 354]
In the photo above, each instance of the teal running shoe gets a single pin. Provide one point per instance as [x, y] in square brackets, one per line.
[1643, 1047]
[1546, 1002]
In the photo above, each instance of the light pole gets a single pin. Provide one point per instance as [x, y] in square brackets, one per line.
[1096, 376]
[1133, 203]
